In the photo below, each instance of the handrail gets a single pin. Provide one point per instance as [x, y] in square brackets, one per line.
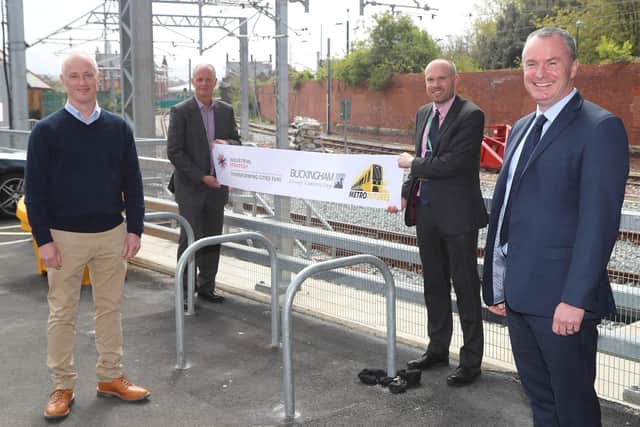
[289, 404]
[271, 212]
[216, 240]
[191, 274]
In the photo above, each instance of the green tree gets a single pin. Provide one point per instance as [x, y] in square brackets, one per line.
[610, 52]
[356, 68]
[498, 35]
[298, 77]
[457, 50]
[592, 20]
[483, 31]
[395, 46]
[321, 72]
[629, 22]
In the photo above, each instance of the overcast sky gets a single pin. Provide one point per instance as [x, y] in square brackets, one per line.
[308, 32]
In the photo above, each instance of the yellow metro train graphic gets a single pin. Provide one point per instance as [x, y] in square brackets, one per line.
[370, 180]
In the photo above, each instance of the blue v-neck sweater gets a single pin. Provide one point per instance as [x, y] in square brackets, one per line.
[81, 177]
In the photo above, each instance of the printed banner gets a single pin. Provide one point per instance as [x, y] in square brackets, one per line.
[358, 179]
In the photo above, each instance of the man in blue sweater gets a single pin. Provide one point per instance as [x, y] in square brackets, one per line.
[82, 172]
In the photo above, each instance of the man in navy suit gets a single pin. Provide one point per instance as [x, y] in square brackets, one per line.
[554, 220]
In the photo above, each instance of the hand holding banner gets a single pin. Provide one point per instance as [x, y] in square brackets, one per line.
[357, 179]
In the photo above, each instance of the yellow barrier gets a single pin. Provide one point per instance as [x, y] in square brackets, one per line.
[21, 213]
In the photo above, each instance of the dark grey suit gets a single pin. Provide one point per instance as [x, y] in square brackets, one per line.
[447, 227]
[202, 206]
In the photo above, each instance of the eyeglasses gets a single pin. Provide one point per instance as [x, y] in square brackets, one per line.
[76, 77]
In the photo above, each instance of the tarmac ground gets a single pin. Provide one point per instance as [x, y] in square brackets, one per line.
[234, 377]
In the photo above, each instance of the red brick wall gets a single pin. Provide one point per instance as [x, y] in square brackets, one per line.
[499, 93]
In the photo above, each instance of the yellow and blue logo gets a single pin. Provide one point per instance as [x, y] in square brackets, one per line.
[369, 184]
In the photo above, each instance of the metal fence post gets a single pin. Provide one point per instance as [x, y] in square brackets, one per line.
[289, 399]
[216, 240]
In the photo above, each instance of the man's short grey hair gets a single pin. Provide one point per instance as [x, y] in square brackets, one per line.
[450, 63]
[82, 55]
[209, 66]
[569, 41]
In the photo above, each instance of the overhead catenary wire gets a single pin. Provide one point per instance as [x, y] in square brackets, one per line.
[67, 26]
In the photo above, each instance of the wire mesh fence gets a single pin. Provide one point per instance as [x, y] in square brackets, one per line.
[357, 304]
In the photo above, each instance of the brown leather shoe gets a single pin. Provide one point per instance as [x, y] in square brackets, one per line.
[122, 388]
[59, 404]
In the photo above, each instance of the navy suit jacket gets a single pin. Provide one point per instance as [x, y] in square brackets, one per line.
[565, 214]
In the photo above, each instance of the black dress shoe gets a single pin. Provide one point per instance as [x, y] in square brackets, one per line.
[428, 360]
[463, 376]
[210, 295]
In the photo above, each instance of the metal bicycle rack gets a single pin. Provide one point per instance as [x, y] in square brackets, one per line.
[191, 274]
[216, 240]
[289, 403]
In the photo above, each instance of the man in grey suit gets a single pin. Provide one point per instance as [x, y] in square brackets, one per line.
[194, 126]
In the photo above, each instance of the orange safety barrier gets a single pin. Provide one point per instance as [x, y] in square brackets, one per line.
[493, 145]
[21, 213]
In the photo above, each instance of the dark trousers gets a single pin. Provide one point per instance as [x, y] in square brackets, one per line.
[206, 218]
[446, 259]
[557, 372]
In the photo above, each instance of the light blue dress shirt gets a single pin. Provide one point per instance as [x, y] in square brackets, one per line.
[76, 113]
[551, 114]
[500, 252]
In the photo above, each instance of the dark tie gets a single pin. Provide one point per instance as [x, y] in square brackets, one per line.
[527, 149]
[433, 130]
[433, 140]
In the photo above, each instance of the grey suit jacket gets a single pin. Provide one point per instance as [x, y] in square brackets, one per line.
[188, 148]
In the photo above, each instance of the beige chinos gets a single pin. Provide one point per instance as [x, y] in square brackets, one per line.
[102, 253]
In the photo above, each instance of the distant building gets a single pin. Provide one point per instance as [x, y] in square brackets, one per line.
[109, 66]
[161, 86]
[263, 70]
[36, 86]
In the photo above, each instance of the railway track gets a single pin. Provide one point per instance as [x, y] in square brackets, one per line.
[337, 143]
[364, 147]
[616, 276]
